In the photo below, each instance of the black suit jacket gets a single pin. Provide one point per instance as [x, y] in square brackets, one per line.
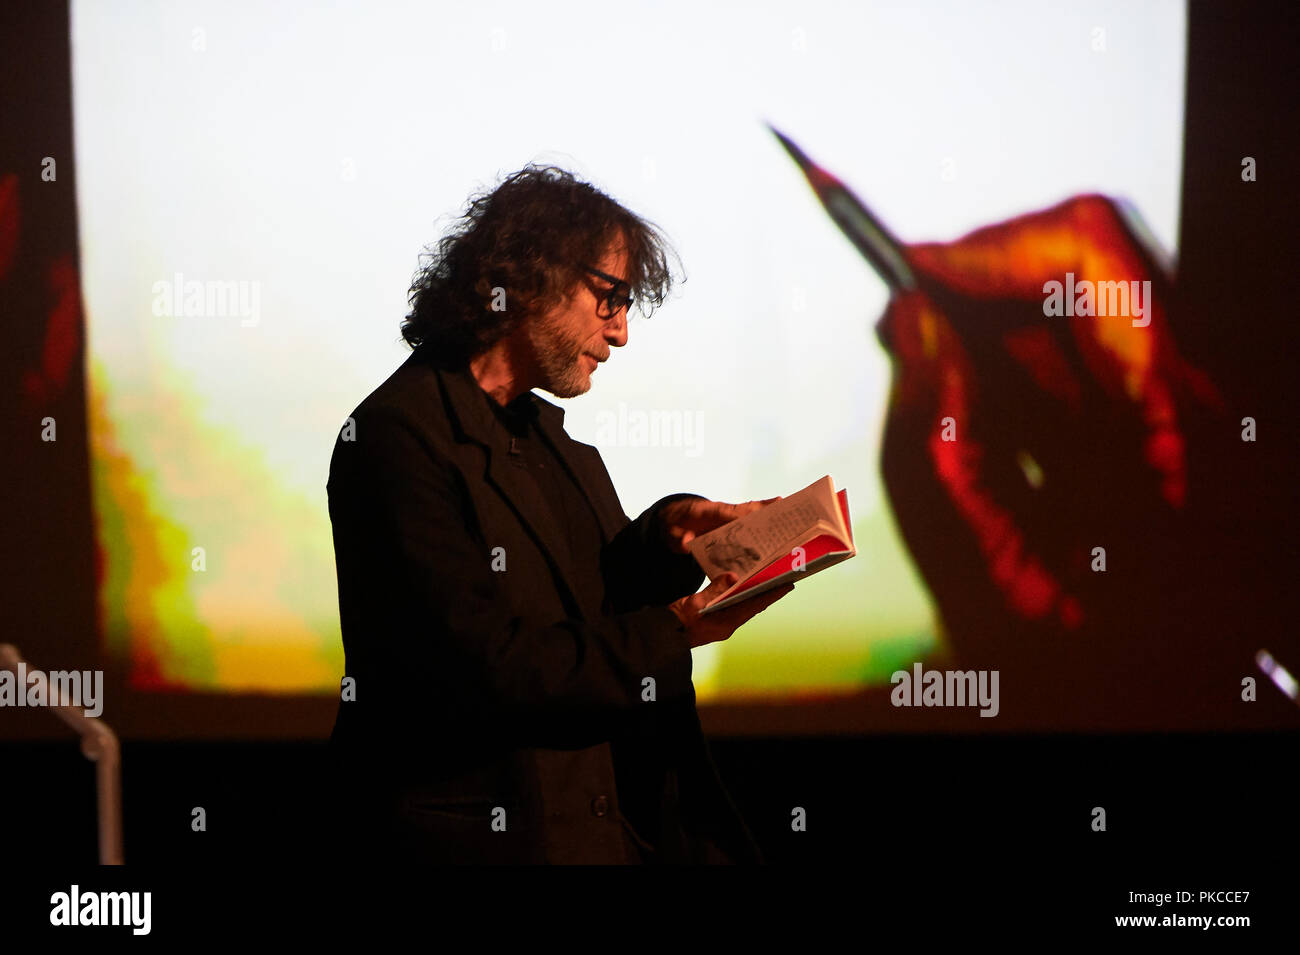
[486, 700]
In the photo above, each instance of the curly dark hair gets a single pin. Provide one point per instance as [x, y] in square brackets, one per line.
[532, 236]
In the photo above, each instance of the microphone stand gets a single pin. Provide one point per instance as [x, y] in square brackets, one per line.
[98, 744]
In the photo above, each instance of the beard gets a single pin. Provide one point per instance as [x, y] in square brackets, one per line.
[559, 359]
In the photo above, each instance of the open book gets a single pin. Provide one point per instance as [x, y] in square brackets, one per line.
[787, 540]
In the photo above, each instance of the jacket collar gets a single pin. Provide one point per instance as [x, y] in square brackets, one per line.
[472, 420]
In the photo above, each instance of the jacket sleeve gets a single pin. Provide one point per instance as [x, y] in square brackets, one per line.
[641, 570]
[453, 632]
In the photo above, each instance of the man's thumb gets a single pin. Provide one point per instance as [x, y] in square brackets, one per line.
[720, 584]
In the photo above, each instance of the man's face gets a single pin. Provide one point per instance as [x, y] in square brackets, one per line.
[569, 341]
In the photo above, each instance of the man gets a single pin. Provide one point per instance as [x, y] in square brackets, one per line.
[518, 651]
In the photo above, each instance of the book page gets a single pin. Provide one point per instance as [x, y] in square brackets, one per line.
[750, 543]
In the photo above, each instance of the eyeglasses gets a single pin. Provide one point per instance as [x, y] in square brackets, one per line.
[616, 299]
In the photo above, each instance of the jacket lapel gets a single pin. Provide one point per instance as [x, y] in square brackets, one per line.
[583, 462]
[466, 404]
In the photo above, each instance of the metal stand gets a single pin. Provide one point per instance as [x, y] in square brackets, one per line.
[98, 743]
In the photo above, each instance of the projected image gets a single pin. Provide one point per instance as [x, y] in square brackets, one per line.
[247, 251]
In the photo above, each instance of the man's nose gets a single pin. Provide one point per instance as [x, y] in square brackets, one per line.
[616, 329]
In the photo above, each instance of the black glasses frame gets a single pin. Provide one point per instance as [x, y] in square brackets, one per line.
[617, 298]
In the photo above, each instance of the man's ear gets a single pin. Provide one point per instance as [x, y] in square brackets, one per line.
[570, 282]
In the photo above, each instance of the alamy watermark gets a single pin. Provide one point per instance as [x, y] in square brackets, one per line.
[946, 688]
[1098, 299]
[77, 688]
[75, 907]
[191, 298]
[637, 428]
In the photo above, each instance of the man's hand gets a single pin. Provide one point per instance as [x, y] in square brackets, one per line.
[684, 520]
[721, 625]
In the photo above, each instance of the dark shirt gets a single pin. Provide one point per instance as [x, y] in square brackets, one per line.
[639, 760]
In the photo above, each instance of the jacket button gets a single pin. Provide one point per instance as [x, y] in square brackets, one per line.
[599, 806]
